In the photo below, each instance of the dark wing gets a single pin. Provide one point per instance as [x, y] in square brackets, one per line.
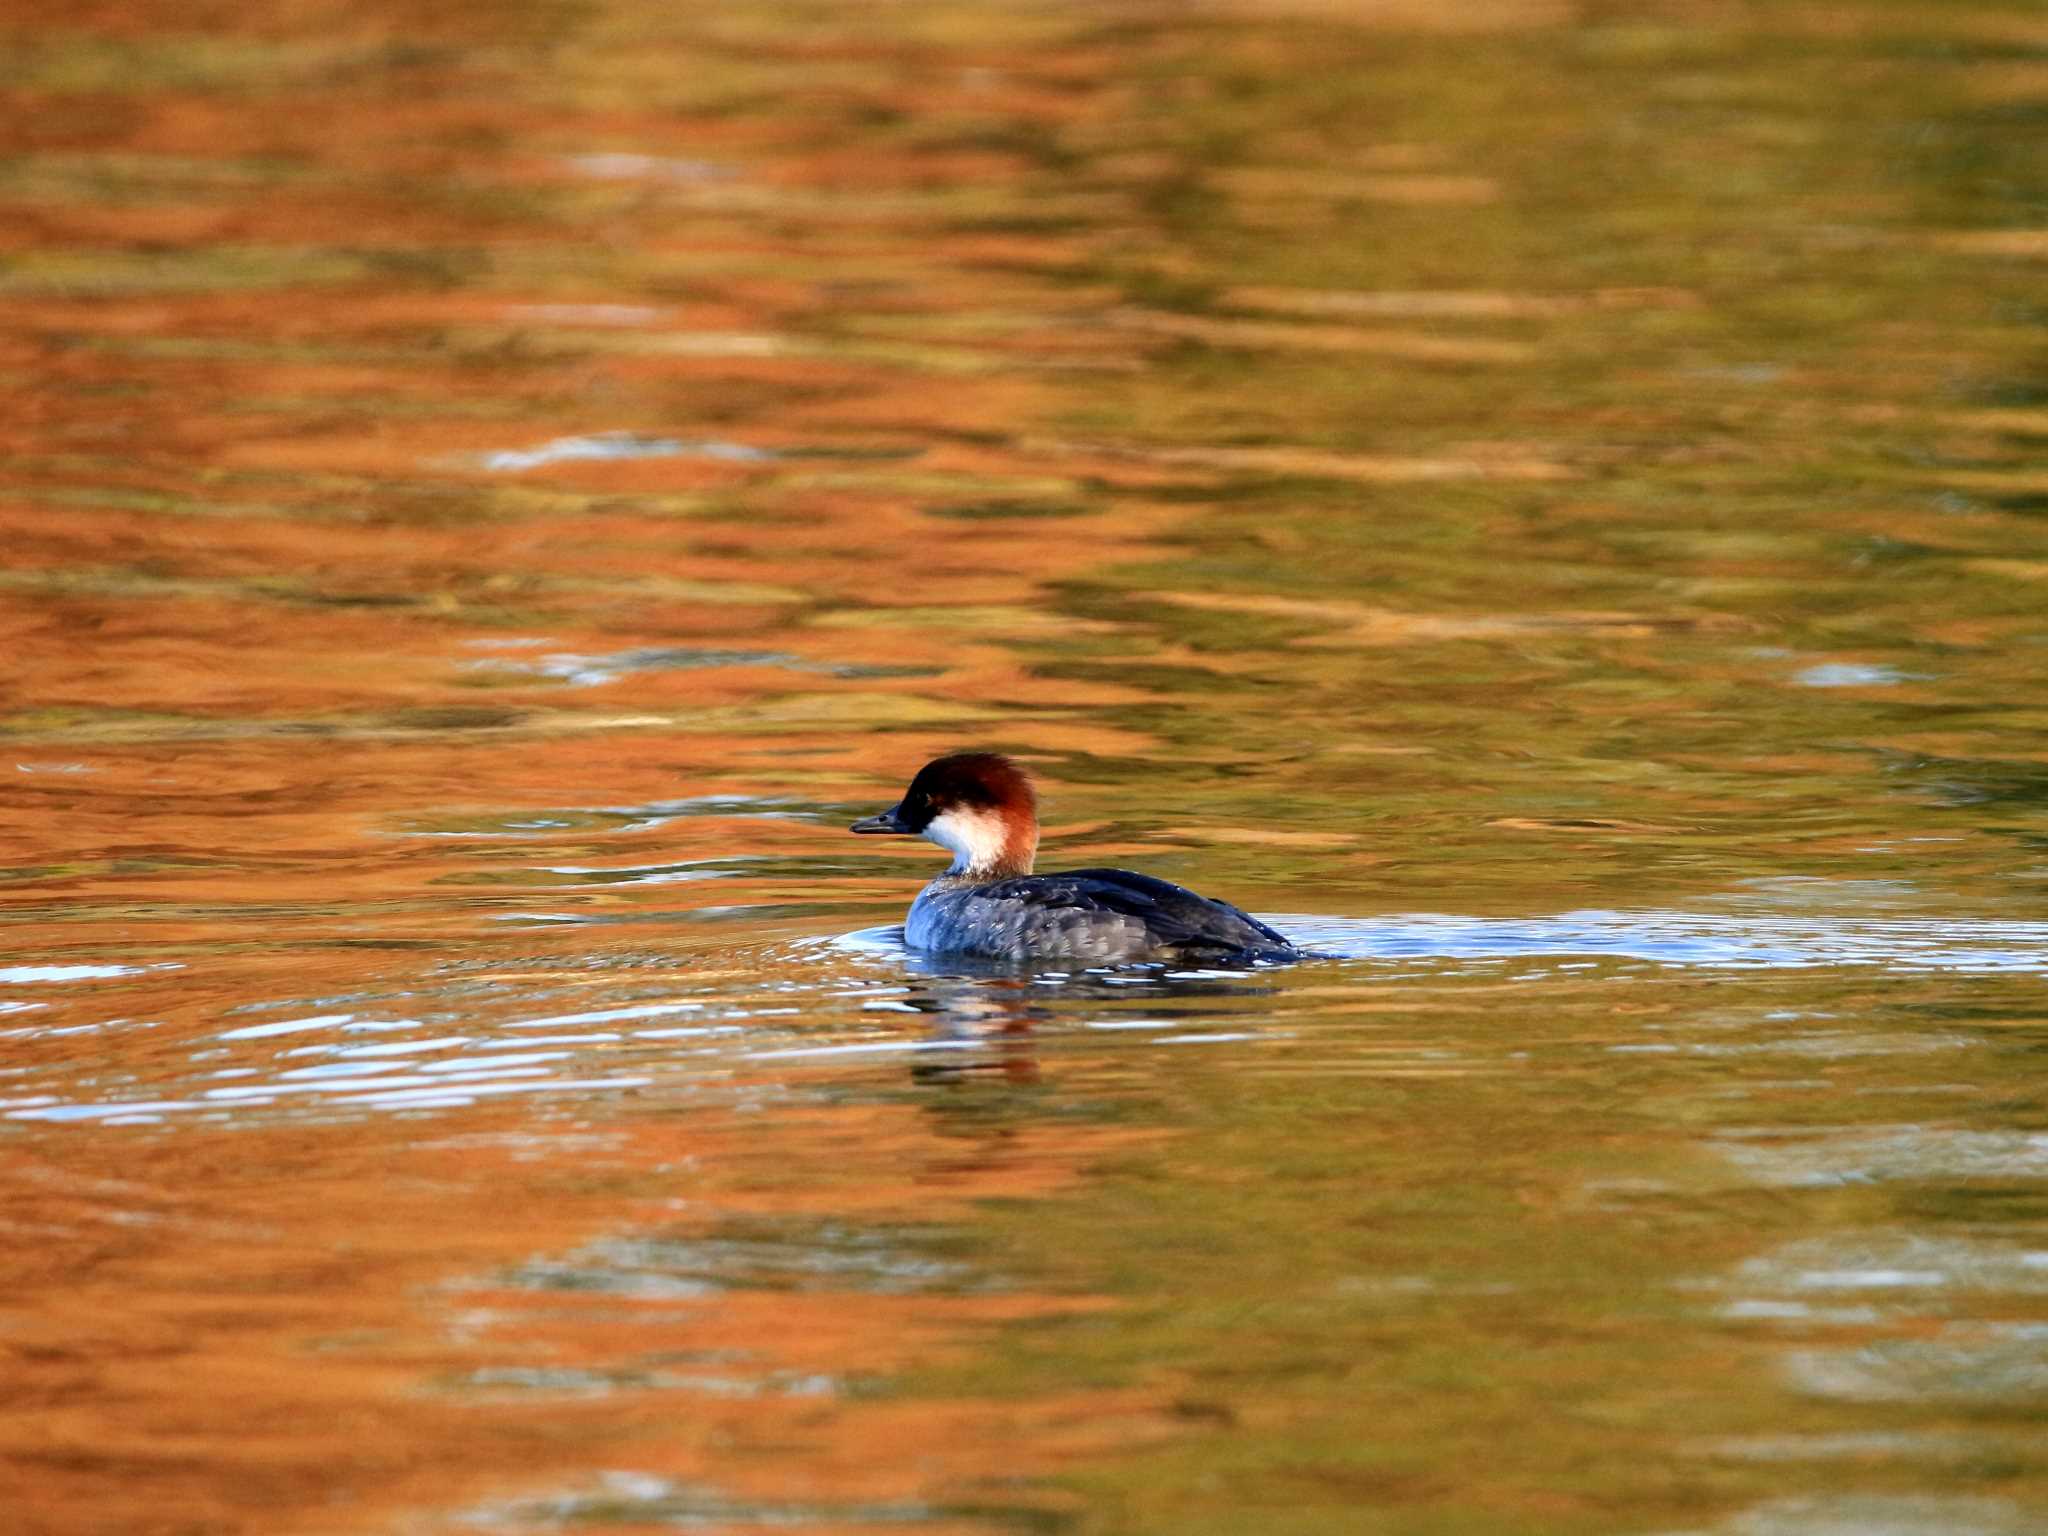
[1177, 918]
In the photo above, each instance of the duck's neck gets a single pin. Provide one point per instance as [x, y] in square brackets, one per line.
[985, 844]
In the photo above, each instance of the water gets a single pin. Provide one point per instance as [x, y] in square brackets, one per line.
[1542, 502]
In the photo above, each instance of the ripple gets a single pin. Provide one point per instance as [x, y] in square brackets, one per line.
[1964, 1363]
[1876, 1515]
[1801, 1160]
[596, 671]
[649, 1502]
[1895, 1261]
[614, 818]
[620, 166]
[824, 1258]
[570, 1381]
[609, 447]
[1852, 674]
[22, 975]
[1866, 1446]
[1967, 945]
[1685, 939]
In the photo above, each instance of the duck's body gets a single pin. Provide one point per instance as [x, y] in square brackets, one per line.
[981, 807]
[1096, 916]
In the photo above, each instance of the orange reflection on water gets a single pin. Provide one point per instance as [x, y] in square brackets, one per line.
[489, 489]
[330, 1325]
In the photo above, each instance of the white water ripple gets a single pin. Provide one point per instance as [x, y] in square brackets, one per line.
[1684, 938]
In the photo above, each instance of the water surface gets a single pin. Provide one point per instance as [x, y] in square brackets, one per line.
[1544, 501]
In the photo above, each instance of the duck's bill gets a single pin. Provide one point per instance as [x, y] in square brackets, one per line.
[890, 820]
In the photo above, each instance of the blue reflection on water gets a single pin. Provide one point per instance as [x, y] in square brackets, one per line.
[1685, 938]
[1659, 937]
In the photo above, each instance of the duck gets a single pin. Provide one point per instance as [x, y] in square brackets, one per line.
[982, 808]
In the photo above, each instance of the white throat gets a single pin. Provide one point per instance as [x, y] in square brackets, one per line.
[974, 838]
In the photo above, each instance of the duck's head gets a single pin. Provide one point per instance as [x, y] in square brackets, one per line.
[979, 806]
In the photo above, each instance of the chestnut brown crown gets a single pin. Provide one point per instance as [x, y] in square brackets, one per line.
[979, 781]
[989, 806]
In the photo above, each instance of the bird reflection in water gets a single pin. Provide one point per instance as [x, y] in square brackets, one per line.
[987, 1016]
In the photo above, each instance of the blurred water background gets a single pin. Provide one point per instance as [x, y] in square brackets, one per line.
[1543, 497]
